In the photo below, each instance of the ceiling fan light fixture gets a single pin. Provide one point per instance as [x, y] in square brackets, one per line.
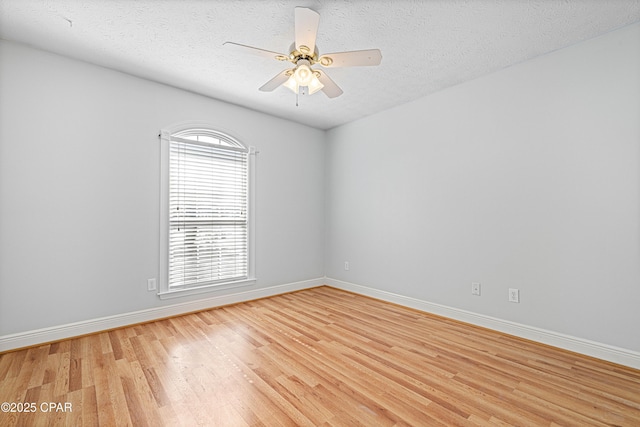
[303, 73]
[315, 85]
[292, 84]
[303, 76]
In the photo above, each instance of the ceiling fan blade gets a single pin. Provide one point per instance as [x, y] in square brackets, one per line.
[351, 59]
[306, 22]
[276, 81]
[256, 51]
[331, 89]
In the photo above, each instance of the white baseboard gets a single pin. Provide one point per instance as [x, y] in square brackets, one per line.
[579, 345]
[55, 333]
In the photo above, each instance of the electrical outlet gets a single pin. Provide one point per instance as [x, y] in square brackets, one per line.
[514, 295]
[346, 265]
[475, 288]
[151, 284]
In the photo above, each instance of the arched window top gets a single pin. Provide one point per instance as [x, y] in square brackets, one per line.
[209, 136]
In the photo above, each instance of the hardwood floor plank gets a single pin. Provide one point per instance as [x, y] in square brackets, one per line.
[116, 342]
[104, 401]
[319, 357]
[75, 374]
[88, 407]
[134, 404]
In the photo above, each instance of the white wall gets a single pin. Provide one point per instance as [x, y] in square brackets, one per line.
[526, 178]
[79, 189]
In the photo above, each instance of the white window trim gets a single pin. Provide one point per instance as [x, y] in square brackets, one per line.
[163, 284]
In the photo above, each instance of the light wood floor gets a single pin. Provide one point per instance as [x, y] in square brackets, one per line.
[315, 357]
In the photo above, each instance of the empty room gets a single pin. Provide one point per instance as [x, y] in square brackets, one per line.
[320, 213]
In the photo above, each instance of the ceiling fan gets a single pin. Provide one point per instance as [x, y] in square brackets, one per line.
[303, 79]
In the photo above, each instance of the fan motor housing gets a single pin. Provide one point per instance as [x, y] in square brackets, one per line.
[303, 53]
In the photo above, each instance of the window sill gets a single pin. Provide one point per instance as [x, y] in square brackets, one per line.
[176, 293]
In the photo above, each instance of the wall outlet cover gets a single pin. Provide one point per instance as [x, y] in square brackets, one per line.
[475, 288]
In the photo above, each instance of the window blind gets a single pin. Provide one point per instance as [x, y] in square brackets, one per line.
[208, 218]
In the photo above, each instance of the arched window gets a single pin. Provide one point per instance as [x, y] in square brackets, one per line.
[205, 220]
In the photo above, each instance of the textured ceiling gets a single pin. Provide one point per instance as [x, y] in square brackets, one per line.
[426, 45]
